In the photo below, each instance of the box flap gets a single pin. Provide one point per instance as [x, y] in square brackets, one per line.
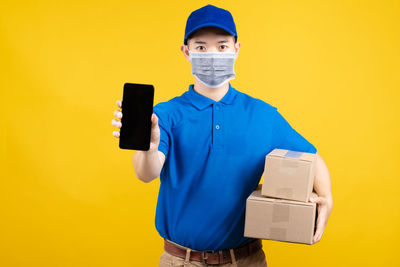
[284, 153]
[256, 196]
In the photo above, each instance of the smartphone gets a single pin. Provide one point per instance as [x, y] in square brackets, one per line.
[137, 108]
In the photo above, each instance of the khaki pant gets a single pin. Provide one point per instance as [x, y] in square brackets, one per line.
[256, 259]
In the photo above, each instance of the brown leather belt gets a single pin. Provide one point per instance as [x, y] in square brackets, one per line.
[211, 256]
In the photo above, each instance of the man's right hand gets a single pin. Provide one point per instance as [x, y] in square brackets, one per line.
[155, 130]
[147, 164]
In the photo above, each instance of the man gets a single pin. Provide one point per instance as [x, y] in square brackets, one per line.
[208, 146]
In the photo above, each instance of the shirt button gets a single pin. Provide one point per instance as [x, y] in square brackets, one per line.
[217, 107]
[217, 126]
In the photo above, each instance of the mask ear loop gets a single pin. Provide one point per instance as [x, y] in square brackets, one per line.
[188, 52]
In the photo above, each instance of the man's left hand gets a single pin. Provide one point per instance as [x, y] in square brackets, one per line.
[324, 207]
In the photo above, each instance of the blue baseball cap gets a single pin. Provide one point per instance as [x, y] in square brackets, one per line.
[210, 15]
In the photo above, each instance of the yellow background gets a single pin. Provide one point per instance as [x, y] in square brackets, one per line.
[69, 196]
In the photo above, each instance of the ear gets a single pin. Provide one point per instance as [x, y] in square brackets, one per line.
[237, 48]
[185, 51]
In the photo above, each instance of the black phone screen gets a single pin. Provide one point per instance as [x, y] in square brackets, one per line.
[137, 108]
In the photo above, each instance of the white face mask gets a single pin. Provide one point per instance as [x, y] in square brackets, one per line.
[213, 69]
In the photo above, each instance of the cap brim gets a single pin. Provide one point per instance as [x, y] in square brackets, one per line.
[209, 24]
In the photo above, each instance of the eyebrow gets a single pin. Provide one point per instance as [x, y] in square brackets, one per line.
[201, 42]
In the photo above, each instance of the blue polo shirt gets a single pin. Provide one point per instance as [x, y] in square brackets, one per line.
[215, 154]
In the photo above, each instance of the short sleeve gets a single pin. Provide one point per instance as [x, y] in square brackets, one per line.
[163, 123]
[285, 137]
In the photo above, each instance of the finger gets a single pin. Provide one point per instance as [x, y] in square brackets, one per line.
[313, 241]
[315, 237]
[318, 200]
[116, 133]
[320, 227]
[154, 121]
[116, 123]
[155, 130]
[119, 103]
[118, 114]
[316, 234]
[318, 237]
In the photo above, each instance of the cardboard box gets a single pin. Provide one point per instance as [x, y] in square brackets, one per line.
[280, 219]
[289, 174]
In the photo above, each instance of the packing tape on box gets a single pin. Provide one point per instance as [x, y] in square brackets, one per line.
[280, 212]
[277, 233]
[293, 154]
[288, 166]
[284, 192]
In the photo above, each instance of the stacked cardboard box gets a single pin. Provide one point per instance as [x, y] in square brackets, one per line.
[279, 209]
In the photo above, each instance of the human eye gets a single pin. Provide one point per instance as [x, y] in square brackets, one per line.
[200, 47]
[223, 46]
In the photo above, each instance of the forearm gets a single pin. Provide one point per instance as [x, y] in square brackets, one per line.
[322, 181]
[147, 165]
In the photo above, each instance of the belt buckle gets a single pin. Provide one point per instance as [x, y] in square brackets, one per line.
[205, 253]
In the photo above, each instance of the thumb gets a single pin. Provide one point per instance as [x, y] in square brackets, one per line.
[155, 130]
[154, 121]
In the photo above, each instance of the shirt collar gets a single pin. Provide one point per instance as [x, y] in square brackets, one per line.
[200, 101]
